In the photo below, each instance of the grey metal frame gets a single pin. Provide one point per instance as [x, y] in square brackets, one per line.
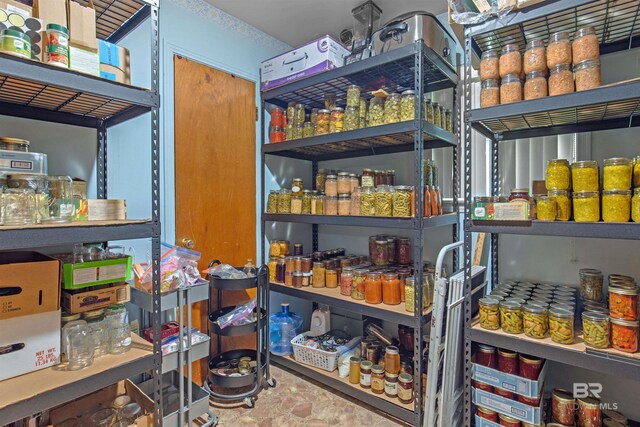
[419, 129]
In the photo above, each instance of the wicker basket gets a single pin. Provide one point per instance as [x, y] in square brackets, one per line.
[326, 360]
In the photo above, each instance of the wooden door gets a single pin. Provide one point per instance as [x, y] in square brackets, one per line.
[215, 176]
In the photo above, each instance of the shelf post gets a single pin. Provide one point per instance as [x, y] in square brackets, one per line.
[495, 191]
[102, 160]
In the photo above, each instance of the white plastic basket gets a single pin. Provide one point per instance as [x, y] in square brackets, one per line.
[326, 360]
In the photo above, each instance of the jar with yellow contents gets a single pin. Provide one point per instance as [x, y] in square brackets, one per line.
[635, 205]
[636, 171]
[617, 173]
[558, 176]
[586, 206]
[616, 205]
[546, 208]
[563, 204]
[584, 176]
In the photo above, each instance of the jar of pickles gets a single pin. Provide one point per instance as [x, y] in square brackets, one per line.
[352, 118]
[323, 123]
[384, 201]
[373, 288]
[595, 329]
[299, 114]
[563, 204]
[392, 108]
[407, 105]
[437, 117]
[558, 176]
[489, 314]
[284, 201]
[306, 201]
[358, 285]
[624, 335]
[353, 96]
[560, 80]
[546, 208]
[617, 173]
[336, 123]
[428, 108]
[616, 205]
[561, 325]
[376, 115]
[402, 201]
[368, 201]
[534, 319]
[511, 317]
[635, 205]
[586, 206]
[307, 130]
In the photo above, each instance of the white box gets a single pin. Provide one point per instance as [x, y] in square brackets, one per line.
[29, 343]
[315, 57]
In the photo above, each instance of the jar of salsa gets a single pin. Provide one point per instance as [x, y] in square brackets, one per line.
[624, 335]
[589, 413]
[390, 289]
[346, 281]
[381, 253]
[530, 366]
[331, 277]
[358, 284]
[405, 388]
[508, 361]
[487, 414]
[508, 421]
[563, 406]
[373, 288]
[377, 379]
[403, 251]
[487, 356]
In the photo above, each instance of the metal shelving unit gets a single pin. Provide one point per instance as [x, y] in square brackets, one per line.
[32, 90]
[414, 67]
[608, 107]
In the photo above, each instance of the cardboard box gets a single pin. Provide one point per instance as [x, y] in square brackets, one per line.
[93, 273]
[513, 383]
[29, 284]
[112, 54]
[51, 12]
[102, 399]
[82, 25]
[115, 74]
[107, 210]
[33, 343]
[104, 296]
[512, 408]
[315, 57]
[19, 162]
[84, 60]
[21, 9]
[483, 422]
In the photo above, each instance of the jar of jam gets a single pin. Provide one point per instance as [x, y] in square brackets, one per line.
[390, 289]
[487, 414]
[487, 356]
[288, 278]
[624, 335]
[508, 421]
[354, 370]
[368, 178]
[530, 366]
[390, 384]
[358, 286]
[381, 253]
[377, 379]
[346, 281]
[405, 335]
[290, 263]
[305, 264]
[373, 352]
[365, 373]
[280, 269]
[392, 360]
[331, 277]
[589, 413]
[508, 361]
[563, 407]
[373, 288]
[391, 249]
[405, 388]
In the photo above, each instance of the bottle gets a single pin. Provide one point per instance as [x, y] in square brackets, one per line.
[283, 327]
[249, 269]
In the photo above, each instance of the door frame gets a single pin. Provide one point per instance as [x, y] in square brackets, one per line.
[167, 135]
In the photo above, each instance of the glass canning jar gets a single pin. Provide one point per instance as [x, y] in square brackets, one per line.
[535, 85]
[298, 114]
[635, 205]
[358, 286]
[368, 178]
[437, 118]
[331, 185]
[344, 204]
[306, 201]
[346, 281]
[587, 75]
[511, 316]
[284, 201]
[117, 318]
[585, 176]
[489, 93]
[296, 204]
[330, 205]
[272, 201]
[402, 201]
[355, 202]
[373, 288]
[546, 208]
[77, 344]
[616, 205]
[617, 173]
[448, 121]
[376, 115]
[18, 207]
[384, 200]
[558, 176]
[408, 105]
[489, 314]
[323, 122]
[561, 325]
[510, 89]
[561, 80]
[489, 65]
[585, 45]
[391, 290]
[353, 96]
[563, 204]
[381, 252]
[428, 109]
[595, 329]
[288, 132]
[368, 201]
[298, 131]
[297, 187]
[321, 177]
[344, 183]
[317, 204]
[308, 130]
[636, 171]
[559, 49]
[586, 206]
[535, 57]
[534, 320]
[352, 118]
[624, 335]
[99, 331]
[392, 108]
[337, 120]
[354, 181]
[60, 200]
[510, 60]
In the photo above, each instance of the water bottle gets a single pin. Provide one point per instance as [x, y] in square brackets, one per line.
[249, 269]
[283, 327]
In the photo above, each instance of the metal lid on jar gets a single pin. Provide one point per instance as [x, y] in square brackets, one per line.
[484, 348]
[623, 290]
[530, 360]
[392, 349]
[488, 301]
[560, 35]
[489, 54]
[365, 364]
[508, 419]
[323, 111]
[409, 92]
[489, 83]
[377, 369]
[562, 395]
[510, 304]
[559, 311]
[559, 68]
[616, 192]
[67, 317]
[16, 141]
[405, 378]
[589, 63]
[535, 43]
[584, 31]
[591, 164]
[337, 109]
[496, 298]
[594, 316]
[628, 323]
[589, 401]
[342, 174]
[298, 273]
[585, 194]
[512, 299]
[93, 313]
[534, 309]
[614, 415]
[511, 47]
[332, 176]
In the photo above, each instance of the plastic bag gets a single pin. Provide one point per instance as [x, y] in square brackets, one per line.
[238, 314]
[178, 269]
[170, 344]
[225, 271]
[344, 360]
[469, 12]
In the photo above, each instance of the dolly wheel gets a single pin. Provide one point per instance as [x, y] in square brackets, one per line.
[249, 402]
[272, 382]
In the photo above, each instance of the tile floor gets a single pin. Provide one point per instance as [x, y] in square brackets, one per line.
[297, 402]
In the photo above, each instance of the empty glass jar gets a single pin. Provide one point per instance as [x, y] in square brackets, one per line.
[99, 331]
[18, 207]
[117, 318]
[61, 205]
[77, 344]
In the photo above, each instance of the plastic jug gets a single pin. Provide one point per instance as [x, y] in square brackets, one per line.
[283, 327]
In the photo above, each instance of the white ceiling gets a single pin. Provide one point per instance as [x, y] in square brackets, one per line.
[296, 22]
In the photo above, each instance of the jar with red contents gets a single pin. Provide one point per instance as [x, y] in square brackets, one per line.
[373, 288]
[563, 407]
[531, 401]
[483, 386]
[624, 335]
[589, 412]
[487, 414]
[508, 421]
[504, 393]
[403, 251]
[346, 281]
[487, 356]
[277, 134]
[390, 289]
[623, 303]
[278, 117]
[508, 361]
[530, 366]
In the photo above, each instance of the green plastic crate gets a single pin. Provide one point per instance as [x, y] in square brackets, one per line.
[92, 273]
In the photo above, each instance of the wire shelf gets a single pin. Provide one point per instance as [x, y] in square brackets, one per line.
[111, 15]
[614, 20]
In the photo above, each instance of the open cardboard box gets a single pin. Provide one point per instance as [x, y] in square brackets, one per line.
[102, 399]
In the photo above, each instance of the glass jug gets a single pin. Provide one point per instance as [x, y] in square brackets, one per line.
[78, 344]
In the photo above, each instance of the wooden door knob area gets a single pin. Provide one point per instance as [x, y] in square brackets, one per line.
[188, 243]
